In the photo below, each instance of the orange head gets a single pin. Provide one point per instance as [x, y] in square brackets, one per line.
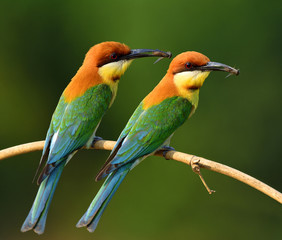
[184, 62]
[194, 61]
[105, 52]
[111, 59]
[190, 69]
[185, 76]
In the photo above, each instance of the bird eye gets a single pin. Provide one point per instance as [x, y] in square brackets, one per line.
[113, 56]
[188, 65]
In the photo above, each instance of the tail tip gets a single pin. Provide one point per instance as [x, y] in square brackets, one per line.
[90, 226]
[81, 223]
[27, 225]
[38, 231]
[25, 228]
[91, 229]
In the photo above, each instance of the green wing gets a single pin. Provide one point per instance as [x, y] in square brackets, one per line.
[139, 110]
[149, 132]
[74, 123]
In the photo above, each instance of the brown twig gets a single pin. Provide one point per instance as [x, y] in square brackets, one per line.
[173, 155]
[197, 169]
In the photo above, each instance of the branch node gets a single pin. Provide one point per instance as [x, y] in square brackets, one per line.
[197, 169]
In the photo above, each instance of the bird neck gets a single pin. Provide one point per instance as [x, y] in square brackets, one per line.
[165, 89]
[181, 85]
[85, 78]
[89, 76]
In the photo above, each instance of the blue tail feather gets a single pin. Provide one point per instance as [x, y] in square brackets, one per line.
[36, 218]
[103, 197]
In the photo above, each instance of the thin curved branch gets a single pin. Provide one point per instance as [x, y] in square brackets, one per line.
[21, 149]
[189, 159]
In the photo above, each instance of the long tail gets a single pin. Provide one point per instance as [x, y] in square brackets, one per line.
[103, 197]
[36, 218]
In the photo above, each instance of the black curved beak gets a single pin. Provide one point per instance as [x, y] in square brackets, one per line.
[141, 53]
[215, 66]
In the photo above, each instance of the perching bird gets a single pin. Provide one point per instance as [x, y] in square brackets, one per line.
[77, 116]
[152, 125]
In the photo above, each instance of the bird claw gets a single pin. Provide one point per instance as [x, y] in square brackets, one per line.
[197, 169]
[166, 149]
[96, 139]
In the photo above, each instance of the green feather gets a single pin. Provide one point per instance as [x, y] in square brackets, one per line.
[74, 123]
[147, 131]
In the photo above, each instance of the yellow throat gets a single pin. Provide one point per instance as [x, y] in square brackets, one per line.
[111, 73]
[188, 84]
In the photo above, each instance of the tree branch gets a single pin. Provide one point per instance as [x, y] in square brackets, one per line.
[192, 160]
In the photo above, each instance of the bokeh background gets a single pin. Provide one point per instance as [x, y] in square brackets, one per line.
[238, 121]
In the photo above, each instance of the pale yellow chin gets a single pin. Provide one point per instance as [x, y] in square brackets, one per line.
[185, 80]
[111, 73]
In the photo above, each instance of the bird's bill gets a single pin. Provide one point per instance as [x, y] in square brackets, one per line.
[215, 66]
[141, 53]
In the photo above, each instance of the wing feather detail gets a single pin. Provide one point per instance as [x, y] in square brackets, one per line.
[73, 124]
[149, 132]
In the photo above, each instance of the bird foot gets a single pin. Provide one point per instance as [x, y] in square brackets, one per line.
[96, 139]
[166, 149]
[195, 165]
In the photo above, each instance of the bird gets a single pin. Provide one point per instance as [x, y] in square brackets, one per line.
[152, 125]
[77, 116]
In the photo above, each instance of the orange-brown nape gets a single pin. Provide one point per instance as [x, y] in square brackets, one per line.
[87, 76]
[168, 87]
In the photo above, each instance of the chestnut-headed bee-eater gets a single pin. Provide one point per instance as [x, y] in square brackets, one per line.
[77, 116]
[152, 125]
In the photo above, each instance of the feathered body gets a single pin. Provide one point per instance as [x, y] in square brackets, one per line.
[151, 127]
[73, 125]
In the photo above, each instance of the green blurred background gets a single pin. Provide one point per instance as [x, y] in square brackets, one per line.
[238, 121]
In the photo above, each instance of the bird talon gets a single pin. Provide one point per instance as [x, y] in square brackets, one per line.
[96, 139]
[165, 150]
